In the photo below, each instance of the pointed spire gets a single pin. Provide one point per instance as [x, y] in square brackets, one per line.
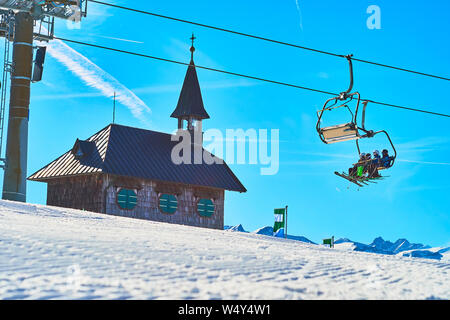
[190, 103]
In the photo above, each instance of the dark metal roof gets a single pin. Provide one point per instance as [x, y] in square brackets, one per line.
[133, 152]
[190, 103]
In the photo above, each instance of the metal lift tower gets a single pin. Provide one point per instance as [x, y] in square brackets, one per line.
[21, 22]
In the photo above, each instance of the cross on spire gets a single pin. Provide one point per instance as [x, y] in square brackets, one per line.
[192, 47]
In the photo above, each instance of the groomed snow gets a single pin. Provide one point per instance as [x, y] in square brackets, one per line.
[54, 253]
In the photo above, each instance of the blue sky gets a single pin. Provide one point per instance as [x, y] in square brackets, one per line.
[411, 203]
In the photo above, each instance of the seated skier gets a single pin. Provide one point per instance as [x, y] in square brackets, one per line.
[386, 159]
[368, 161]
[376, 158]
[372, 167]
[361, 162]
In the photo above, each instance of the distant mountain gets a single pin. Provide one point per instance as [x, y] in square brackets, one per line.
[427, 254]
[300, 238]
[439, 253]
[357, 246]
[238, 228]
[280, 233]
[400, 247]
[396, 247]
[268, 231]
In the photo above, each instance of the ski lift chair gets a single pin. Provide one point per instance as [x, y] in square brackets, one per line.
[350, 130]
[341, 132]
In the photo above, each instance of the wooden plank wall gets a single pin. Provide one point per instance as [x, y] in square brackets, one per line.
[79, 192]
[148, 202]
[98, 193]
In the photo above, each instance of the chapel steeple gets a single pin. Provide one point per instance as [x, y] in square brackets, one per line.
[190, 103]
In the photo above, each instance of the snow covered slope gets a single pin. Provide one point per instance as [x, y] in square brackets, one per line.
[54, 253]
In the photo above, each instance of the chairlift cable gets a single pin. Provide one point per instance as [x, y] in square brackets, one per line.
[244, 76]
[269, 40]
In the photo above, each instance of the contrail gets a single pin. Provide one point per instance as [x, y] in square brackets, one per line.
[118, 39]
[97, 78]
[337, 157]
[426, 162]
[299, 13]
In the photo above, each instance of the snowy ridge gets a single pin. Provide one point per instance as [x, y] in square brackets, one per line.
[378, 245]
[55, 253]
[268, 231]
[400, 247]
[237, 228]
[438, 253]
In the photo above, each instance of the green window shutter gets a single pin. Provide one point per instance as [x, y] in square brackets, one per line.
[205, 207]
[168, 203]
[127, 199]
